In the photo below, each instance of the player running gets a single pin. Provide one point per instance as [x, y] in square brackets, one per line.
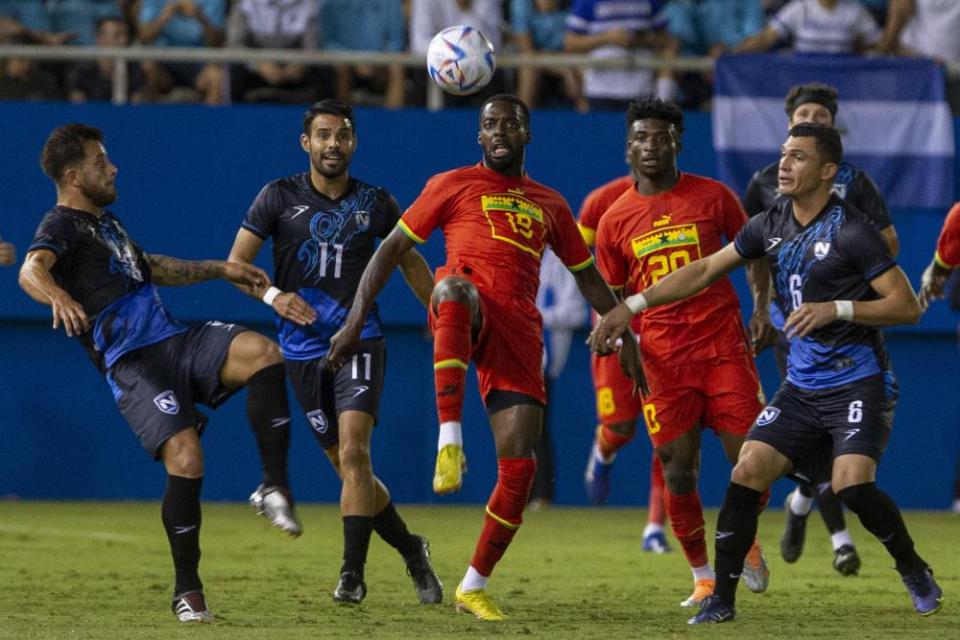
[101, 287]
[696, 353]
[838, 282]
[816, 102]
[324, 225]
[496, 223]
[617, 407]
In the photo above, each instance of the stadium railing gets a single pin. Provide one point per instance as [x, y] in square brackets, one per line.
[121, 55]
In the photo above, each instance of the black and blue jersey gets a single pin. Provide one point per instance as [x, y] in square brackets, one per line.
[834, 257]
[321, 247]
[108, 274]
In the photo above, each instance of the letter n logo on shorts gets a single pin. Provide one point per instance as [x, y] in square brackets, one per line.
[318, 421]
[166, 401]
[768, 415]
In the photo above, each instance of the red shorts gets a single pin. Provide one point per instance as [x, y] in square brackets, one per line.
[614, 390]
[722, 394]
[508, 352]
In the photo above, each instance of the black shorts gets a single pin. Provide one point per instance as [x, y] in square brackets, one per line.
[802, 424]
[156, 387]
[325, 394]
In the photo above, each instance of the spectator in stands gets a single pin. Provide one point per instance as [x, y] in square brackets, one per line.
[275, 24]
[24, 79]
[709, 28]
[817, 26]
[92, 80]
[928, 28]
[183, 23]
[537, 27]
[371, 25]
[27, 28]
[428, 17]
[80, 17]
[614, 29]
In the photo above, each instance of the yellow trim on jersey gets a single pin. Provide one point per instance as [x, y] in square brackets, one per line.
[449, 362]
[940, 261]
[508, 525]
[407, 230]
[583, 265]
[681, 235]
[589, 235]
[616, 287]
[513, 204]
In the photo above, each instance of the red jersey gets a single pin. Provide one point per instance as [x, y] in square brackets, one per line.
[643, 238]
[596, 203]
[496, 227]
[948, 244]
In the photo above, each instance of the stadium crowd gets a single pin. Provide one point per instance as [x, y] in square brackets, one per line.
[602, 29]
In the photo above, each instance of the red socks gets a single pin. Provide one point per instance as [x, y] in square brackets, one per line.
[451, 354]
[609, 442]
[504, 512]
[655, 504]
[686, 520]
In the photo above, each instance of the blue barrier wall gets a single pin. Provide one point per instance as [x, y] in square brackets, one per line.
[187, 175]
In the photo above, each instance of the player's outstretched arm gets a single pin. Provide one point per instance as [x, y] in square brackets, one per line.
[287, 304]
[897, 304]
[36, 280]
[682, 283]
[598, 294]
[416, 272]
[374, 278]
[175, 272]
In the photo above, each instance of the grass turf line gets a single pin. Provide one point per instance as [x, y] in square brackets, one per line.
[102, 570]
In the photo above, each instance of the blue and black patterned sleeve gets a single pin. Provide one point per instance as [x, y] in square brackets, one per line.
[261, 218]
[749, 243]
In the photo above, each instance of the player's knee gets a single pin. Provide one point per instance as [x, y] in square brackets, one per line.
[681, 479]
[264, 352]
[857, 496]
[354, 458]
[750, 472]
[453, 289]
[183, 457]
[625, 429]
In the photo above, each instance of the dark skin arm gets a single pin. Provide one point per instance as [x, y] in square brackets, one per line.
[599, 295]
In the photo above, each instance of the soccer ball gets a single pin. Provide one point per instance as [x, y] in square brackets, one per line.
[460, 60]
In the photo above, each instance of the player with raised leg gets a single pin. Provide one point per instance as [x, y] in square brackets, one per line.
[496, 223]
[101, 288]
[324, 224]
[838, 282]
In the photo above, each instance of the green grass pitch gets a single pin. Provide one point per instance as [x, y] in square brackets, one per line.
[102, 570]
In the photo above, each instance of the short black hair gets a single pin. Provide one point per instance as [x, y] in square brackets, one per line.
[827, 139]
[330, 106]
[817, 92]
[64, 147]
[647, 108]
[509, 97]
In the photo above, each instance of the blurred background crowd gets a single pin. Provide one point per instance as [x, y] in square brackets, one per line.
[600, 28]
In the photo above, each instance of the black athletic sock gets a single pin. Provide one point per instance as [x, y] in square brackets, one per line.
[269, 416]
[180, 513]
[356, 541]
[881, 517]
[831, 509]
[736, 530]
[805, 489]
[390, 526]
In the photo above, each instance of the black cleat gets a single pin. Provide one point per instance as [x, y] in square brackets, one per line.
[846, 560]
[712, 611]
[794, 534]
[425, 580]
[351, 588]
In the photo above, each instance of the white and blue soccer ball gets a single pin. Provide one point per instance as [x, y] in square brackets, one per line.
[461, 60]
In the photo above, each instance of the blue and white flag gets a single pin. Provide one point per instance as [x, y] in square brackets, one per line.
[893, 116]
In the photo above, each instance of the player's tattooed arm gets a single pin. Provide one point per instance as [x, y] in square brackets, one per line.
[175, 272]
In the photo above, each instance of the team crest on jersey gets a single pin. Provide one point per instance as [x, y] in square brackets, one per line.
[515, 220]
[839, 189]
[768, 415]
[167, 402]
[682, 235]
[362, 220]
[821, 249]
[318, 421]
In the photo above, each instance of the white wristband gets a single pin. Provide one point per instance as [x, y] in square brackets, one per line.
[636, 303]
[269, 296]
[844, 310]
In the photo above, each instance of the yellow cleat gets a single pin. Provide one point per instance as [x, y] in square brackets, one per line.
[702, 589]
[478, 603]
[451, 465]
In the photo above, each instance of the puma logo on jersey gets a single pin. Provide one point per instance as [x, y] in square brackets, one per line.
[300, 208]
[663, 220]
